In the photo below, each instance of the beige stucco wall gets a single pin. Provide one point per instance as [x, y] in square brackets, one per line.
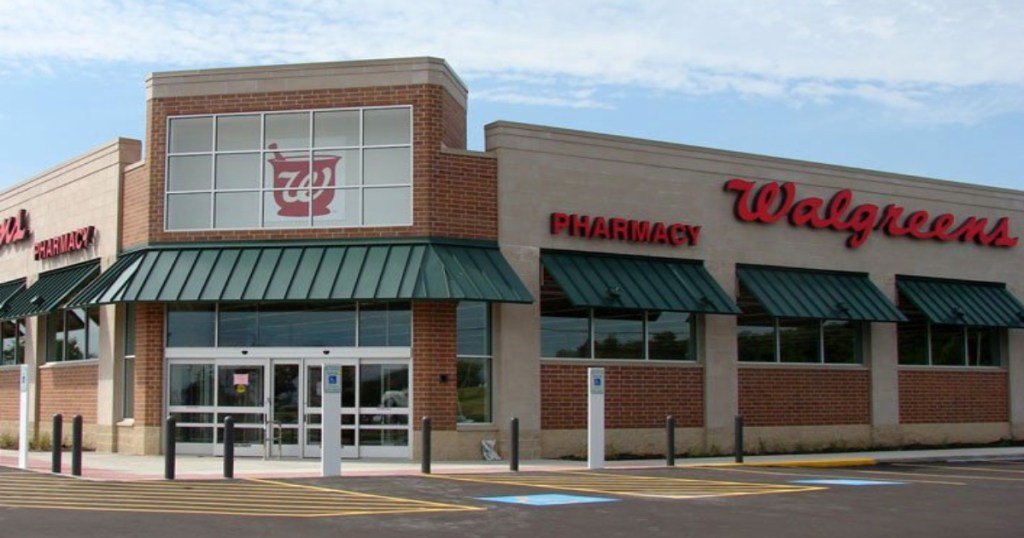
[84, 191]
[544, 170]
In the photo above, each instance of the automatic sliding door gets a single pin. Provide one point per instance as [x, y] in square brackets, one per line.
[384, 410]
[241, 394]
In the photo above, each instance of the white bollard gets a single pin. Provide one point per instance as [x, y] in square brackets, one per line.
[23, 417]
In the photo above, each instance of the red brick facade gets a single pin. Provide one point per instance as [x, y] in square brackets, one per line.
[433, 356]
[638, 396]
[149, 364]
[960, 396]
[804, 397]
[69, 390]
[10, 395]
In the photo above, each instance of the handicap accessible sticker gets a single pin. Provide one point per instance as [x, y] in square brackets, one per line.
[548, 499]
[847, 482]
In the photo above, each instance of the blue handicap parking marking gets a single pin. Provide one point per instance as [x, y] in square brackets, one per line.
[549, 499]
[847, 482]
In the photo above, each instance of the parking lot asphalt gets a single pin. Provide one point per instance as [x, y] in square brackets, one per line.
[934, 499]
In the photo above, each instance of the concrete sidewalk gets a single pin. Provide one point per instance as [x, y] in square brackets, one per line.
[104, 466]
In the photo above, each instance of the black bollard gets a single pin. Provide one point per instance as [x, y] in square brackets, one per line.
[670, 441]
[76, 445]
[229, 447]
[425, 460]
[170, 446]
[739, 439]
[513, 460]
[58, 436]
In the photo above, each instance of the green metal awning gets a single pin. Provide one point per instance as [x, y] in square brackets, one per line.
[605, 281]
[49, 291]
[957, 302]
[8, 289]
[409, 270]
[801, 293]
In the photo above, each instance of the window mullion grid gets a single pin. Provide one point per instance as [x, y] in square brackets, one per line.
[362, 166]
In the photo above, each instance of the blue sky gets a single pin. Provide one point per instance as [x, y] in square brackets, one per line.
[933, 88]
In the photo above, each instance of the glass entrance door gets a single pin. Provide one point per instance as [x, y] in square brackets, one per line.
[284, 426]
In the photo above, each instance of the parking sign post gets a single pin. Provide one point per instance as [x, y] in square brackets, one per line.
[595, 418]
[330, 438]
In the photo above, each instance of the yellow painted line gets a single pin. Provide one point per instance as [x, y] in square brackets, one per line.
[266, 498]
[445, 506]
[802, 475]
[637, 486]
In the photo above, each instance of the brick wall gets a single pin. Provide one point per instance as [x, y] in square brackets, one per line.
[932, 396]
[149, 364]
[433, 354]
[69, 391]
[10, 400]
[804, 397]
[437, 120]
[638, 396]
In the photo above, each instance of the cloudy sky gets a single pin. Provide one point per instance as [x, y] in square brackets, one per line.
[923, 87]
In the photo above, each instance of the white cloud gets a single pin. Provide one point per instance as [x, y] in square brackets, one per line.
[899, 55]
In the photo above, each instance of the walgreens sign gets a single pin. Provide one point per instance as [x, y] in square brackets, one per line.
[773, 202]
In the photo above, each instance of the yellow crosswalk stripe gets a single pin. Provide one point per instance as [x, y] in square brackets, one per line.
[20, 489]
[633, 485]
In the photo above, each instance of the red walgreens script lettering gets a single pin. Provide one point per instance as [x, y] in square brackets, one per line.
[772, 202]
[14, 229]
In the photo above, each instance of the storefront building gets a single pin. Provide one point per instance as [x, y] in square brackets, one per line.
[281, 219]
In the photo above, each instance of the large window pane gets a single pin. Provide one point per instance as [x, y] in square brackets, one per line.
[75, 335]
[189, 173]
[287, 131]
[190, 325]
[384, 385]
[336, 128]
[92, 336]
[289, 325]
[618, 334]
[474, 392]
[235, 210]
[238, 171]
[238, 325]
[565, 333]
[799, 340]
[386, 126]
[236, 133]
[188, 211]
[342, 208]
[389, 206]
[755, 336]
[338, 168]
[912, 340]
[189, 135]
[387, 166]
[982, 346]
[385, 324]
[669, 336]
[843, 342]
[948, 346]
[473, 328]
[13, 342]
[191, 384]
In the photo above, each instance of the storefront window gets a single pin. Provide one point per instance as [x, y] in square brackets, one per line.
[298, 169]
[923, 343]
[13, 342]
[473, 371]
[128, 395]
[290, 325]
[567, 331]
[73, 334]
[763, 338]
